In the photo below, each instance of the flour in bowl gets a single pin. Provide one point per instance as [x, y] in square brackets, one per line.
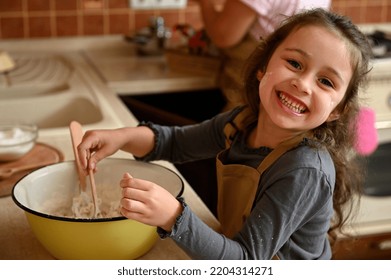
[81, 206]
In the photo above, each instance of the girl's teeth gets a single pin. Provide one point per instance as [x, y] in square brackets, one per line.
[297, 108]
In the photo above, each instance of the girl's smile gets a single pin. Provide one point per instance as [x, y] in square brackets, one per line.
[294, 105]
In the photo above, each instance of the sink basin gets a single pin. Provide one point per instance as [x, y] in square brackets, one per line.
[51, 112]
[48, 90]
[378, 166]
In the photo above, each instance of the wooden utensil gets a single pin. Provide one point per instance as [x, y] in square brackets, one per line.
[8, 172]
[77, 136]
[40, 153]
[6, 65]
[93, 190]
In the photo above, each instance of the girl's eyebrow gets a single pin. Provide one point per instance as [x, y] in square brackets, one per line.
[307, 55]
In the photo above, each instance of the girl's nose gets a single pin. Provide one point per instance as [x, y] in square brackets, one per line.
[303, 83]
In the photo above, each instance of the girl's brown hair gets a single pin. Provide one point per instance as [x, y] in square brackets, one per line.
[338, 136]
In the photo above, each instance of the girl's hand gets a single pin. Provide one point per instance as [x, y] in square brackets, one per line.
[97, 145]
[148, 203]
[100, 144]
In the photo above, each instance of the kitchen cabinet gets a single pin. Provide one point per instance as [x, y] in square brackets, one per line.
[365, 247]
[178, 108]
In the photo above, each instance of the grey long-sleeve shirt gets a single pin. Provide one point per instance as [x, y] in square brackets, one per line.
[292, 209]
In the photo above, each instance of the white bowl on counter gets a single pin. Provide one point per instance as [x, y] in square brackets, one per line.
[16, 140]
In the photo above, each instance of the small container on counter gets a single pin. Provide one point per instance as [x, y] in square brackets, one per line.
[16, 140]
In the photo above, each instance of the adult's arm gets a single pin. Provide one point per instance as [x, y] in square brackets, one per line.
[228, 26]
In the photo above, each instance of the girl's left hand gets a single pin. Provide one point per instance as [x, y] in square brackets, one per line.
[148, 203]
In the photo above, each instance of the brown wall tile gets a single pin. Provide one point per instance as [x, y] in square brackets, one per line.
[39, 27]
[90, 5]
[12, 27]
[10, 5]
[74, 17]
[66, 26]
[119, 24]
[38, 5]
[355, 14]
[142, 19]
[93, 25]
[171, 17]
[373, 14]
[65, 5]
[116, 4]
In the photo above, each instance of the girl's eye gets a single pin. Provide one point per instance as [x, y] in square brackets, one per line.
[294, 63]
[326, 82]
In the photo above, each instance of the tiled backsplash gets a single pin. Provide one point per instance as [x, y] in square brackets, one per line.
[57, 18]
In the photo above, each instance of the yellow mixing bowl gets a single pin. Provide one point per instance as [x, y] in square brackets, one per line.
[55, 186]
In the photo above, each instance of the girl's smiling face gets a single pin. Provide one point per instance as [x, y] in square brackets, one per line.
[305, 79]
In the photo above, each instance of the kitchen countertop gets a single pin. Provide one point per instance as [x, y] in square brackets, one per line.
[16, 238]
[115, 69]
[127, 74]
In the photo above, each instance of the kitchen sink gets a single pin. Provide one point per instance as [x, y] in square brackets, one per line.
[48, 90]
[51, 112]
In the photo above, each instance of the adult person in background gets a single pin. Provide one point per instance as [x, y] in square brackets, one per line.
[236, 27]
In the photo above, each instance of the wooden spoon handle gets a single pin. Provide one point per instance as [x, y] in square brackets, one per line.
[94, 195]
[8, 172]
[77, 135]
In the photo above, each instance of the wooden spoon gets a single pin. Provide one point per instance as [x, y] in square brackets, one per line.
[77, 136]
[8, 172]
[93, 190]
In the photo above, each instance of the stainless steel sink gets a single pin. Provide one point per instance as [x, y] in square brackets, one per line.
[48, 90]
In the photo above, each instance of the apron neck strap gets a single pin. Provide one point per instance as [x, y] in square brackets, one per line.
[281, 149]
[233, 126]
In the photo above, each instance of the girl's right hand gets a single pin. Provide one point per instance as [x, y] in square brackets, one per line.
[97, 145]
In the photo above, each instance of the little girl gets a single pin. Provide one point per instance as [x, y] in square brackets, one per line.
[285, 161]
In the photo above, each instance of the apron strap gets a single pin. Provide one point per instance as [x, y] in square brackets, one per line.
[281, 149]
[232, 127]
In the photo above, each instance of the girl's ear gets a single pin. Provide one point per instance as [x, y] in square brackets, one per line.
[334, 115]
[260, 75]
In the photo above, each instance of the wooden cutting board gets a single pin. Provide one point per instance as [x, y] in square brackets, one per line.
[40, 153]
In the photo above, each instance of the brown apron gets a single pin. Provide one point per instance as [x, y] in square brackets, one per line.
[237, 184]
